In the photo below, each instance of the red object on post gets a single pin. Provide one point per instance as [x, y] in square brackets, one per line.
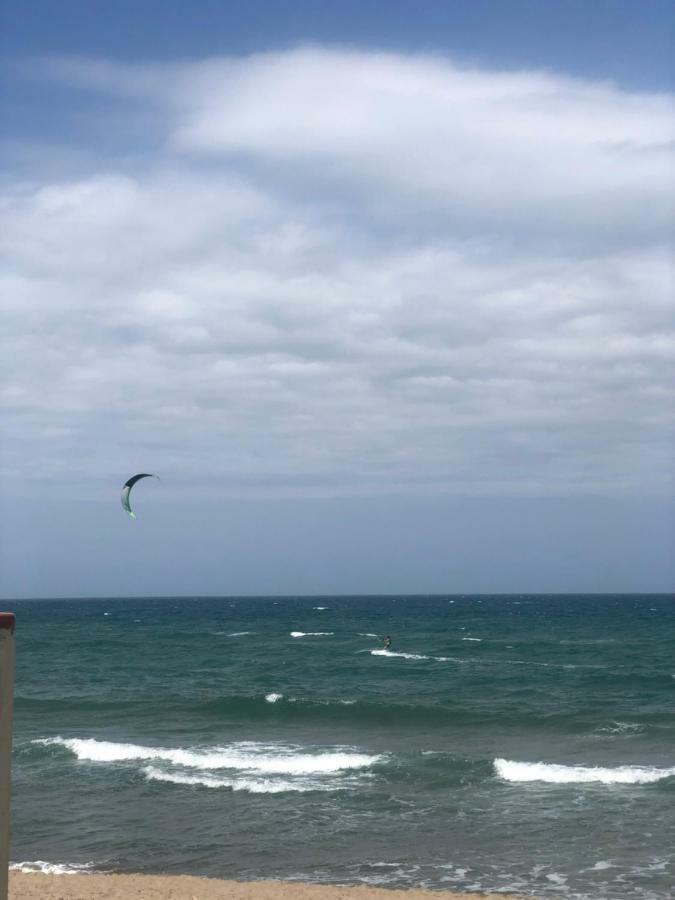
[8, 620]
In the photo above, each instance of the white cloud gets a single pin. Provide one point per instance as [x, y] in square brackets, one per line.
[489, 150]
[351, 271]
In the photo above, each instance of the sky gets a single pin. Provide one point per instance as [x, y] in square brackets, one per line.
[386, 301]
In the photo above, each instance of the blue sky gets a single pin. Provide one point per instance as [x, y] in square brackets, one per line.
[627, 41]
[386, 299]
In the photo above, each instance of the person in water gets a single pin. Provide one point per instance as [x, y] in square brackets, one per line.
[387, 642]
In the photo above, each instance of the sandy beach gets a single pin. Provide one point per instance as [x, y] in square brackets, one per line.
[36, 886]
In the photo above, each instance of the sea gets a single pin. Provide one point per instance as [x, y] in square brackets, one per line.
[516, 743]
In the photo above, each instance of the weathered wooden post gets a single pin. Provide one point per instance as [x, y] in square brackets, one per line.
[7, 622]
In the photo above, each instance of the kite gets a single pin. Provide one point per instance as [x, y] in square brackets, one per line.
[126, 490]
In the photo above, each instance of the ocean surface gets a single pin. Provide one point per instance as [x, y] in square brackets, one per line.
[509, 743]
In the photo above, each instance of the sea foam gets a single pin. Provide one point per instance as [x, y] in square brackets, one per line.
[559, 774]
[299, 634]
[244, 756]
[47, 868]
[394, 654]
[250, 785]
[400, 655]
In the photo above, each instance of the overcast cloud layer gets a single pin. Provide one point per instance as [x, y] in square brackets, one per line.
[320, 271]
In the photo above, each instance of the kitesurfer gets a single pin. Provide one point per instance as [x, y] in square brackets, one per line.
[387, 642]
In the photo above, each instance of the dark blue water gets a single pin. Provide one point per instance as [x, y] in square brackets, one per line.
[503, 743]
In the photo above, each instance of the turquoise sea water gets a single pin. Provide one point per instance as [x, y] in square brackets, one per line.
[513, 743]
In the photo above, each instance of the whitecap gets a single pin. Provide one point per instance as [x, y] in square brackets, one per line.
[400, 655]
[417, 656]
[244, 756]
[472, 639]
[626, 728]
[299, 634]
[273, 698]
[250, 785]
[553, 773]
[47, 868]
[449, 659]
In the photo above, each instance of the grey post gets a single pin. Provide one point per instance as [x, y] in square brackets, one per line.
[7, 622]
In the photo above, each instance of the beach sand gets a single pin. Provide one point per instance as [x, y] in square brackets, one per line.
[36, 886]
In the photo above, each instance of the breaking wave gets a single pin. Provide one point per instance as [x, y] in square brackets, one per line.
[243, 766]
[245, 755]
[552, 773]
[249, 785]
[299, 634]
[47, 868]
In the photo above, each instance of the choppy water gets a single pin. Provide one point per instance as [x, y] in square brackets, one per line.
[502, 743]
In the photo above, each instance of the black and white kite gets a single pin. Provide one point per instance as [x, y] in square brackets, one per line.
[126, 490]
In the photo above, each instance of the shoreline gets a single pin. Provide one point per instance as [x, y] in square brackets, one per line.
[41, 886]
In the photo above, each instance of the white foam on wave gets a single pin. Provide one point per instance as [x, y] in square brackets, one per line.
[455, 659]
[320, 607]
[299, 634]
[236, 633]
[47, 868]
[250, 785]
[623, 728]
[471, 639]
[273, 698]
[558, 774]
[392, 653]
[242, 756]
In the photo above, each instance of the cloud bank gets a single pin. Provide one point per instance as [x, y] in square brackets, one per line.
[323, 271]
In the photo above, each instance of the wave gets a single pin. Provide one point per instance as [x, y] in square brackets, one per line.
[299, 634]
[621, 728]
[351, 709]
[249, 785]
[245, 756]
[47, 868]
[552, 773]
[393, 653]
[274, 704]
[253, 767]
